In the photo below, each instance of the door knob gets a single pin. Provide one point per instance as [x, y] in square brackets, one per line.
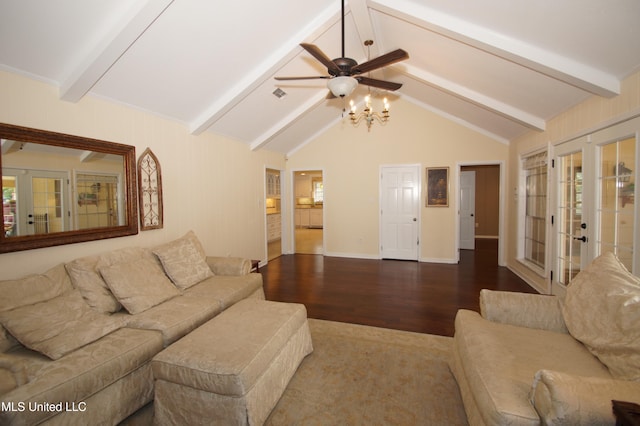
[415, 219]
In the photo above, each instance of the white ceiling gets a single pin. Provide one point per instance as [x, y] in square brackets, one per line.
[499, 66]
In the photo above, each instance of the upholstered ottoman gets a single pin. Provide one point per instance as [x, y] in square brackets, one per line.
[233, 369]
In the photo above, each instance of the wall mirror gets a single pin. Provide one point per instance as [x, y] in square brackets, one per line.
[62, 189]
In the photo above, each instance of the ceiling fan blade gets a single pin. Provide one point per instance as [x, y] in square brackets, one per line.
[381, 84]
[303, 78]
[320, 56]
[381, 61]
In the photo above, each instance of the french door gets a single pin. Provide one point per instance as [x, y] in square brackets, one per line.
[572, 218]
[594, 210]
[36, 202]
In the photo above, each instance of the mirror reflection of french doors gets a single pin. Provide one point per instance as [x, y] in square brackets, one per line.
[34, 202]
[595, 210]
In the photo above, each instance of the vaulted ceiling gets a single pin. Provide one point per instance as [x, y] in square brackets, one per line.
[501, 67]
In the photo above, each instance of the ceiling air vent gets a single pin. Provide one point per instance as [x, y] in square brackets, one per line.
[279, 93]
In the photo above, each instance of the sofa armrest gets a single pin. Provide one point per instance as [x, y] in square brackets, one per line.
[562, 398]
[13, 373]
[229, 265]
[522, 309]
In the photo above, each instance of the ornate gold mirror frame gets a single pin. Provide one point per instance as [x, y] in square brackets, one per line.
[49, 146]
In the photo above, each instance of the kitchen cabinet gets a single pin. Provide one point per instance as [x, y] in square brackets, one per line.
[273, 184]
[315, 218]
[309, 218]
[302, 218]
[274, 227]
[303, 186]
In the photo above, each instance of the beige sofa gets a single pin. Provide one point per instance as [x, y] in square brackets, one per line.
[531, 359]
[76, 341]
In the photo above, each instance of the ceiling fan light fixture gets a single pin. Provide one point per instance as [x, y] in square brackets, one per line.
[342, 86]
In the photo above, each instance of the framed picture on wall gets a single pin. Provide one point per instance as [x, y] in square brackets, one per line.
[438, 187]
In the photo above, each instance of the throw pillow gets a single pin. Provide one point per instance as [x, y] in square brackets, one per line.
[191, 236]
[85, 275]
[183, 263]
[58, 326]
[86, 278]
[602, 310]
[139, 285]
[28, 290]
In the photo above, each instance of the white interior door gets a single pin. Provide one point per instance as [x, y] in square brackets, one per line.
[400, 208]
[468, 210]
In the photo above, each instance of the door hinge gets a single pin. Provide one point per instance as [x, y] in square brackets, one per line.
[552, 219]
[553, 163]
[551, 276]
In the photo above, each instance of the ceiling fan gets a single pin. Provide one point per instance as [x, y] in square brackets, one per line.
[345, 73]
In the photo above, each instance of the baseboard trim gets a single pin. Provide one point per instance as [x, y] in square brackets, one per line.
[438, 260]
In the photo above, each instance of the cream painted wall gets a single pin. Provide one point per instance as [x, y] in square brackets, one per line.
[211, 184]
[351, 159]
[593, 114]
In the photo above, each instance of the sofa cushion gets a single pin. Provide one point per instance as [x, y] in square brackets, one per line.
[85, 275]
[176, 317]
[602, 310]
[138, 285]
[227, 289]
[29, 290]
[183, 262]
[499, 362]
[57, 326]
[82, 374]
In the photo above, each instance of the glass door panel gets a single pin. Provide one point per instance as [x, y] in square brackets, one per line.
[9, 205]
[616, 209]
[571, 224]
[34, 202]
[46, 214]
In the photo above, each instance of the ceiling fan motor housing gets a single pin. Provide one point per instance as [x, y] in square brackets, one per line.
[345, 65]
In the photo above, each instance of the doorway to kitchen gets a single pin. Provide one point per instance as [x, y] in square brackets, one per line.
[308, 202]
[273, 191]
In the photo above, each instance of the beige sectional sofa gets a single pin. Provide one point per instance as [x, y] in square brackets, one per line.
[76, 341]
[531, 359]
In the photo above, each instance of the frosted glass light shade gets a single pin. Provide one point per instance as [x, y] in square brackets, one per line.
[342, 86]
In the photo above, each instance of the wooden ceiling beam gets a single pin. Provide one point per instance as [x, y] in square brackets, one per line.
[110, 48]
[565, 69]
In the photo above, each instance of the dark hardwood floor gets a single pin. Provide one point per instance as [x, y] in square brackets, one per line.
[402, 295]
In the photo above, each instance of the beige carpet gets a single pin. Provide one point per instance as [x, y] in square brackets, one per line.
[360, 375]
